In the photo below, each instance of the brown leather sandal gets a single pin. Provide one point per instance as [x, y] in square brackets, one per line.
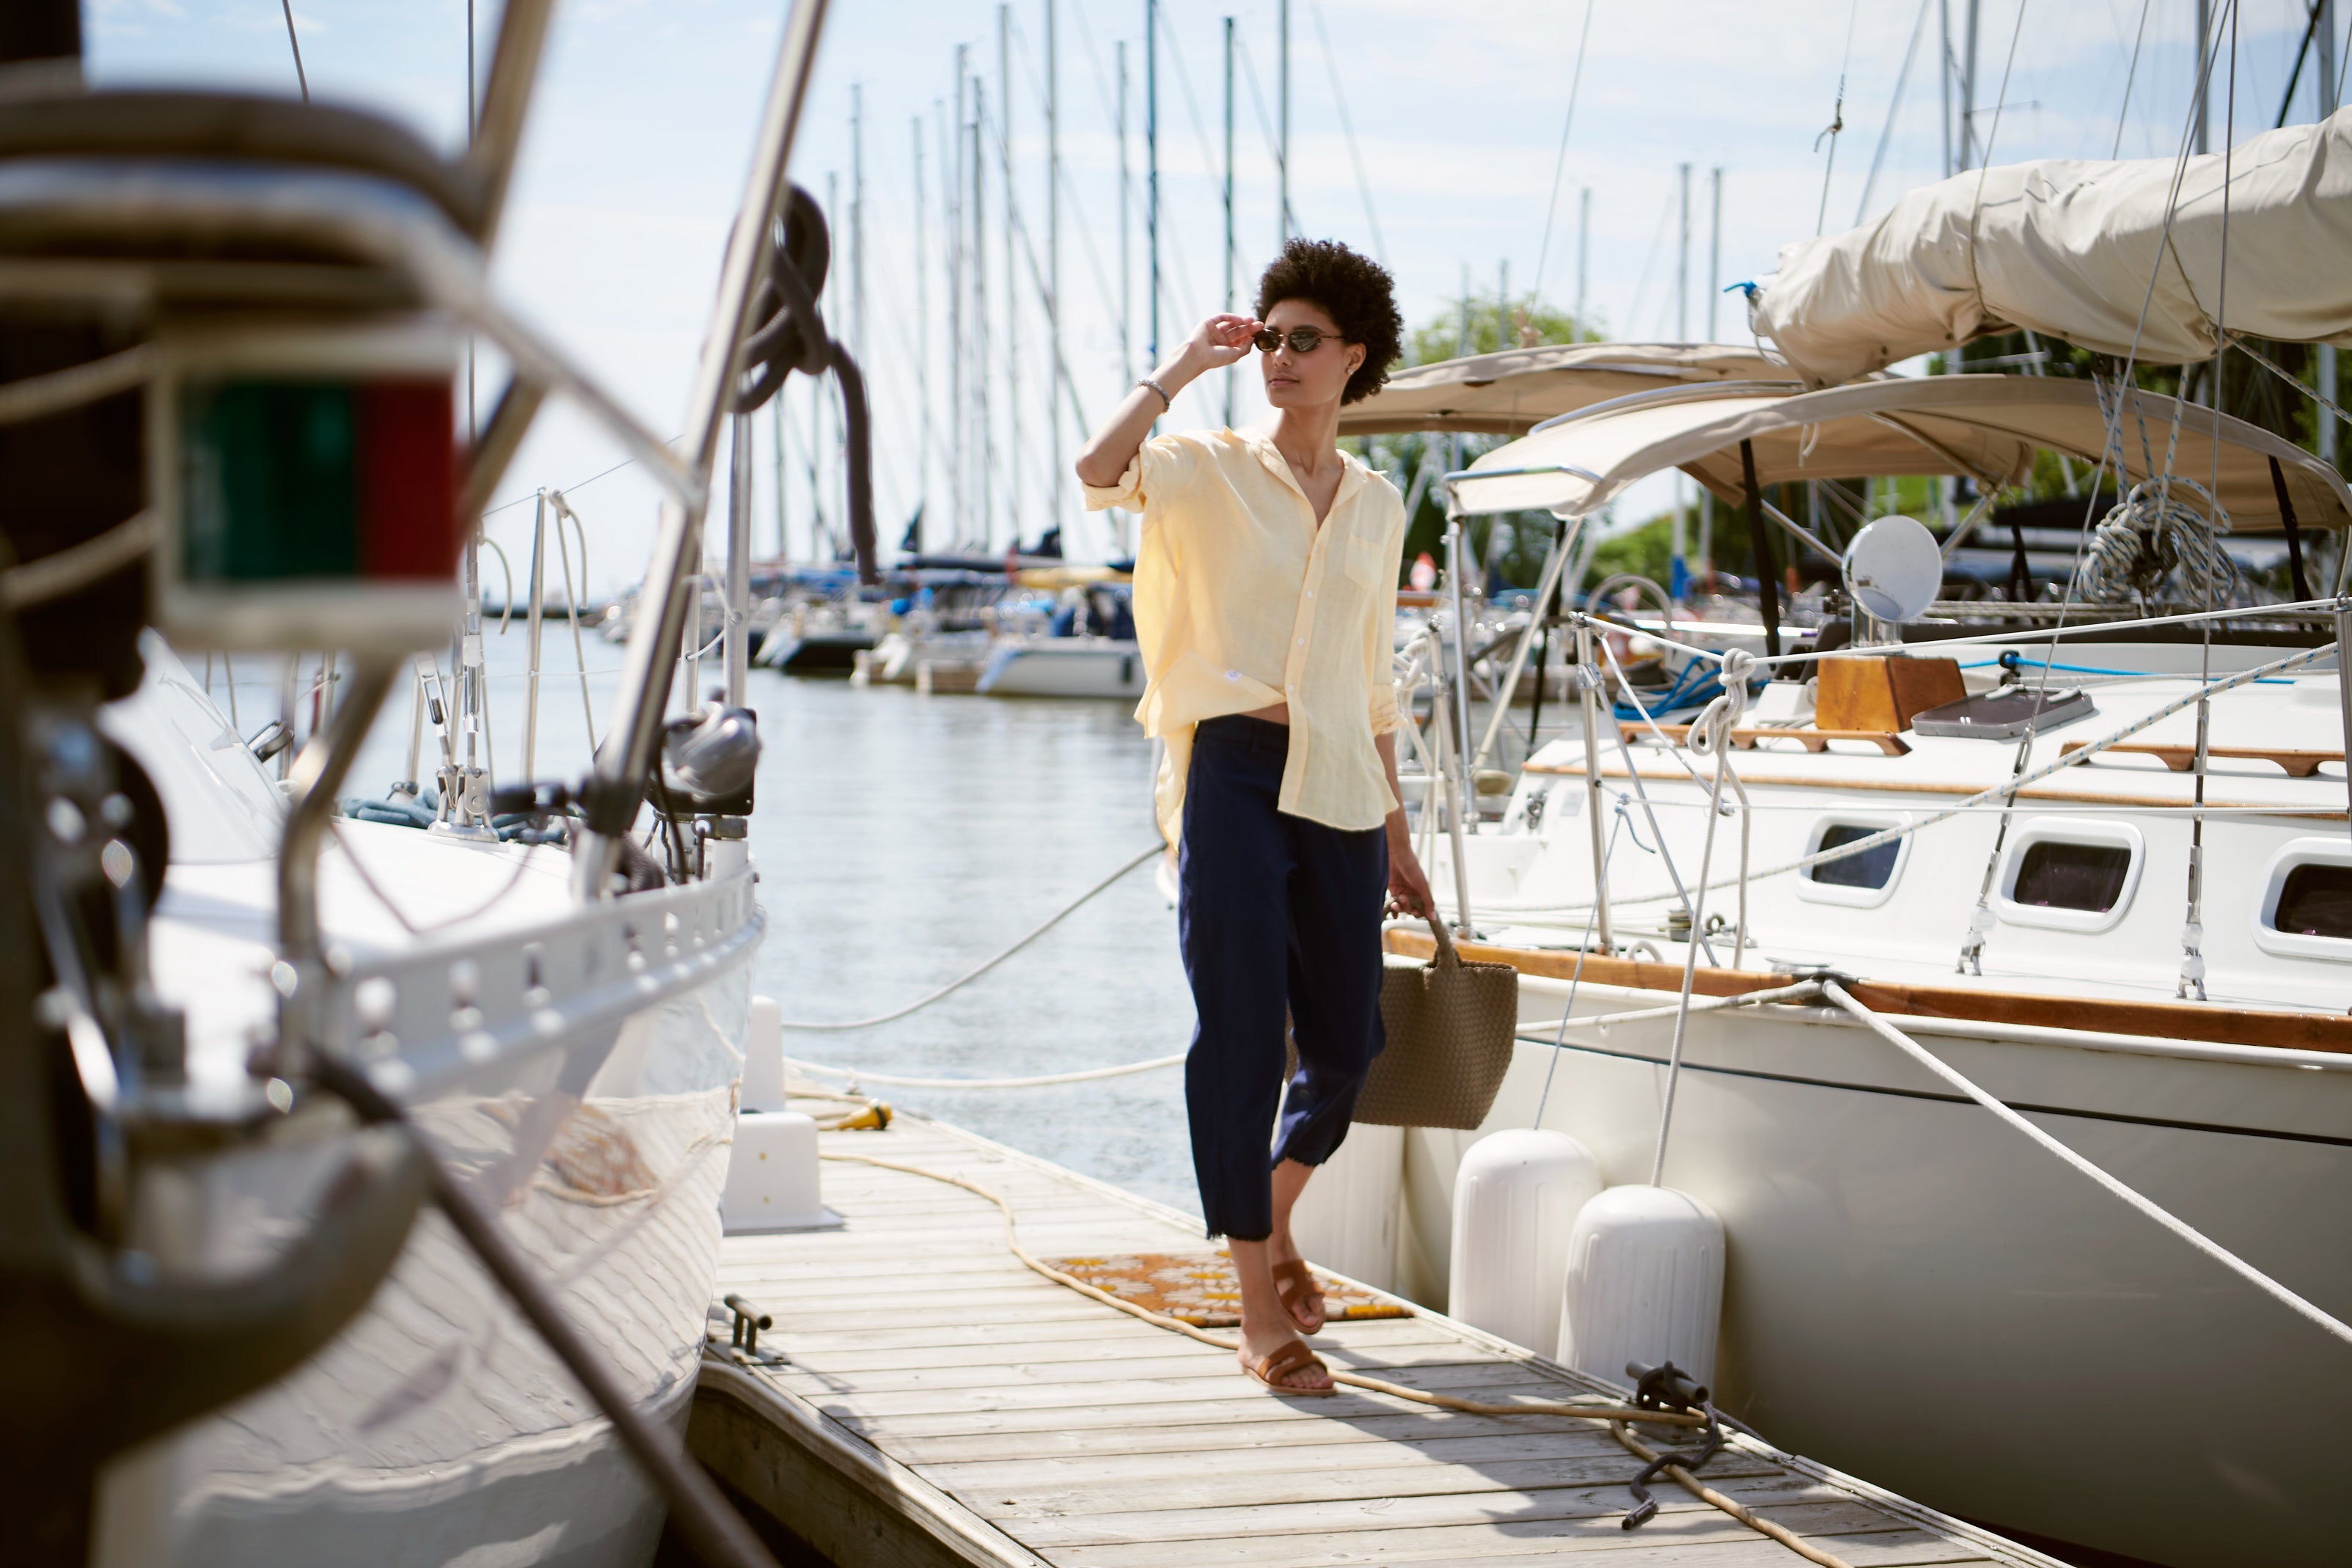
[1294, 1282]
[1287, 1359]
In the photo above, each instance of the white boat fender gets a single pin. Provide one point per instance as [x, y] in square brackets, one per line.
[1516, 1198]
[1644, 1283]
[763, 1056]
[772, 1177]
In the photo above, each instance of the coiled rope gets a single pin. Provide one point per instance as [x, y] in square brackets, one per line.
[959, 983]
[1614, 1415]
[2153, 544]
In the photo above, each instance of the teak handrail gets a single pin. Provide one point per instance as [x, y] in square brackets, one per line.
[1888, 743]
[2296, 764]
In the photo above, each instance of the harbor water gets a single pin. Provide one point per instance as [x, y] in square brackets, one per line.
[902, 840]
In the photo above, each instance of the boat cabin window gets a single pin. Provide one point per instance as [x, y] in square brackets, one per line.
[1872, 868]
[2071, 874]
[2306, 903]
[2056, 875]
[2315, 900]
[1867, 878]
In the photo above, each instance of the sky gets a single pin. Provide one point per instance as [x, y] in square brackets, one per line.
[1428, 135]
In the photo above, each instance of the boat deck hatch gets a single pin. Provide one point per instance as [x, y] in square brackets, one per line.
[2005, 714]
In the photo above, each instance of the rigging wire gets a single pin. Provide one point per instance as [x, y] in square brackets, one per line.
[1837, 118]
[2123, 115]
[1355, 154]
[1893, 105]
[300, 79]
[1560, 164]
[1266, 128]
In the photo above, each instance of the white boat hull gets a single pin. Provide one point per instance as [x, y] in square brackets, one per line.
[1072, 666]
[1917, 1294]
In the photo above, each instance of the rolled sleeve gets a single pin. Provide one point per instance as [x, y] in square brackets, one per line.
[1159, 471]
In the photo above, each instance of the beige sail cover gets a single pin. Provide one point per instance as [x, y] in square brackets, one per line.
[2069, 248]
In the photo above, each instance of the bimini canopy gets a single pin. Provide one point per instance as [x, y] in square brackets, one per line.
[1511, 393]
[1984, 426]
[2070, 248]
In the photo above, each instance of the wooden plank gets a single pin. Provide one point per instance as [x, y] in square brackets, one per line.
[1810, 1509]
[1397, 1436]
[1179, 1407]
[1214, 1452]
[2295, 763]
[1212, 1373]
[1109, 1345]
[1670, 1541]
[1179, 1487]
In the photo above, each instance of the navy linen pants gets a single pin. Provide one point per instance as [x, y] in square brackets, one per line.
[1275, 912]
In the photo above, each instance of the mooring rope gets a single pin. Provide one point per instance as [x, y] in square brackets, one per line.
[959, 981]
[1615, 1415]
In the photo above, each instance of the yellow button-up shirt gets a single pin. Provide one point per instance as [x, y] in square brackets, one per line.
[1242, 601]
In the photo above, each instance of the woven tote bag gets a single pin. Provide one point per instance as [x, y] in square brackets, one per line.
[1451, 1026]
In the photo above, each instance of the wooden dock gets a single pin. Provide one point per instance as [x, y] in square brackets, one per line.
[936, 1402]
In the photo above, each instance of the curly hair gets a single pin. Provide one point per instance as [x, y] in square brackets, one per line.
[1354, 290]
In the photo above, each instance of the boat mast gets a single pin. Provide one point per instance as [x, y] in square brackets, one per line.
[857, 220]
[1125, 227]
[1706, 556]
[1057, 385]
[1678, 561]
[1282, 128]
[1969, 90]
[1583, 253]
[959, 413]
[1229, 205]
[2198, 128]
[984, 439]
[1012, 277]
[2325, 42]
[1152, 164]
[922, 344]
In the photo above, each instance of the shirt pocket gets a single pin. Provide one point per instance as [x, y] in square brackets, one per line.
[1361, 560]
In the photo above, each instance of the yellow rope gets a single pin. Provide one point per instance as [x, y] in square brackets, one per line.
[1736, 1510]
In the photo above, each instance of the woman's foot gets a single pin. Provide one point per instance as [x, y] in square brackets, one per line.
[1302, 1299]
[1283, 1363]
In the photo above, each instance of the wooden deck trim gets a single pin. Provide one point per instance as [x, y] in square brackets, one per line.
[2326, 1032]
[1959, 791]
[2295, 763]
[1889, 744]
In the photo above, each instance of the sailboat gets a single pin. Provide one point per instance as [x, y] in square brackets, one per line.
[1979, 963]
[361, 1186]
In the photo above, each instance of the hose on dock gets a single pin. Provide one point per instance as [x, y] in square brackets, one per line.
[1617, 1416]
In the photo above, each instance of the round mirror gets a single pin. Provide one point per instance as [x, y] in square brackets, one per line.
[1893, 568]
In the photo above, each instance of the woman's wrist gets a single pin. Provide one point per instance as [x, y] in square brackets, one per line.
[1181, 371]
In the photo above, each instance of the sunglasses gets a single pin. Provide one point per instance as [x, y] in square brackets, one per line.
[1302, 340]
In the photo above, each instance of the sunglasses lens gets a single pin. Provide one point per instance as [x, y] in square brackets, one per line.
[1269, 341]
[1305, 340]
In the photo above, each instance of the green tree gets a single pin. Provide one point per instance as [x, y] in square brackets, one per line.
[1512, 545]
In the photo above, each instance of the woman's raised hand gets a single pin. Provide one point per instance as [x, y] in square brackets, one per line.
[1221, 340]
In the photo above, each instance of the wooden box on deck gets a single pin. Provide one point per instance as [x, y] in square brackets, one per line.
[1882, 691]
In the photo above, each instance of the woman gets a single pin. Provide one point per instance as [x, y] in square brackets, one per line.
[1264, 603]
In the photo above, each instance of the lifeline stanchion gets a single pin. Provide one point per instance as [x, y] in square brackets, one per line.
[2179, 1228]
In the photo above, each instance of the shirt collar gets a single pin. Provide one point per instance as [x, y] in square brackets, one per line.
[1261, 441]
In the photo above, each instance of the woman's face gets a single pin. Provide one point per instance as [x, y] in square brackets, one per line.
[1294, 380]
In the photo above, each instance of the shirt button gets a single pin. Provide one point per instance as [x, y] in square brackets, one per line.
[1311, 593]
[1302, 642]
